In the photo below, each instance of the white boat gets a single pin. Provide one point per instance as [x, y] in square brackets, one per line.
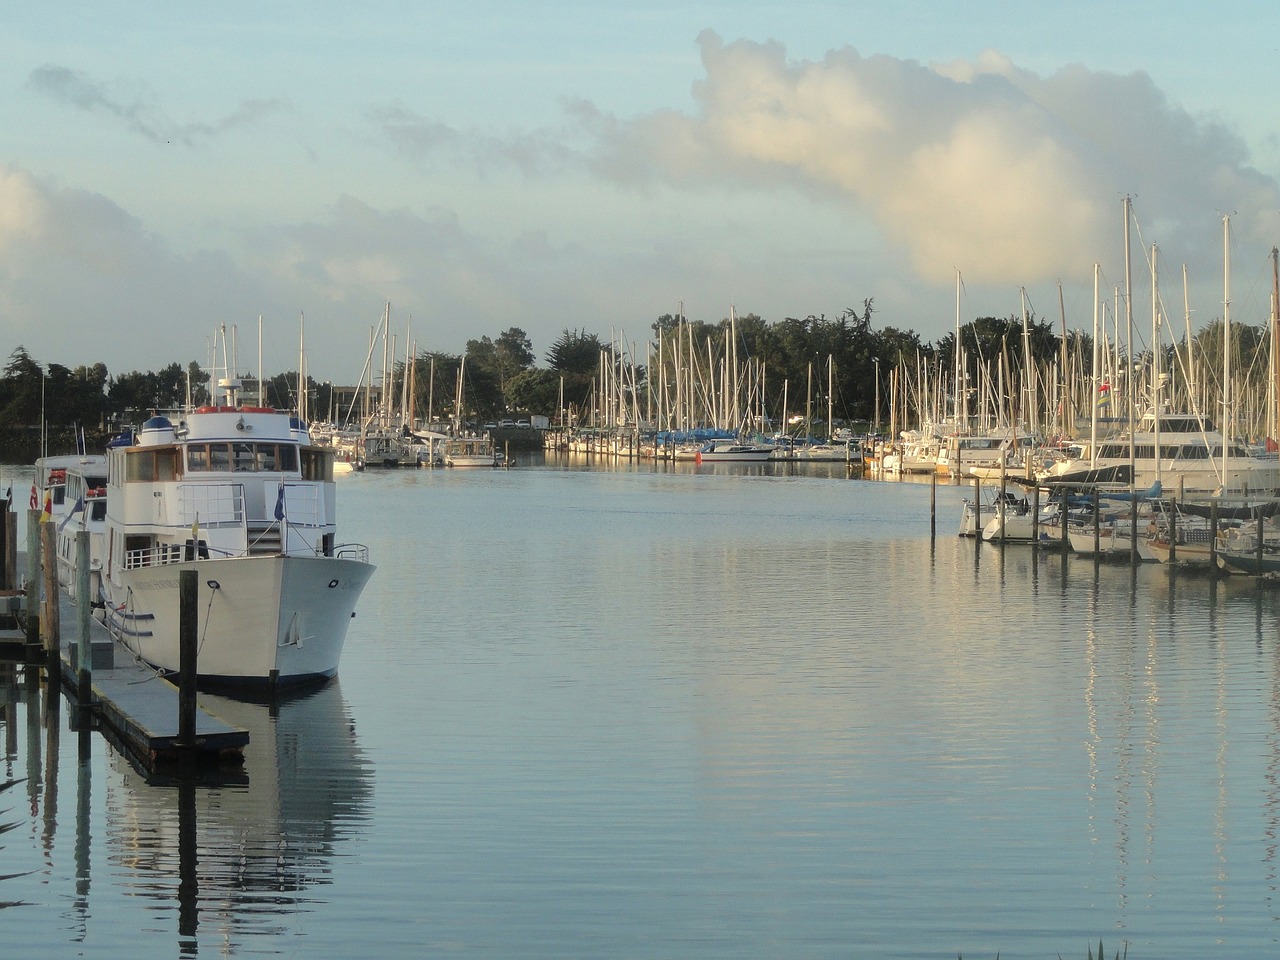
[982, 455]
[974, 515]
[1190, 463]
[733, 451]
[241, 496]
[73, 491]
[471, 452]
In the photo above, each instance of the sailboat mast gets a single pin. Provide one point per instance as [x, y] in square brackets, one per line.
[1155, 359]
[1096, 396]
[1226, 346]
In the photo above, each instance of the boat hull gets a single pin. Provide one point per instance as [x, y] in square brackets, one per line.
[262, 621]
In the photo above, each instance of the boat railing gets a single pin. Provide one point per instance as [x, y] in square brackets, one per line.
[211, 503]
[352, 551]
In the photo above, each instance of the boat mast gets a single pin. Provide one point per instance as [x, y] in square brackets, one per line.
[1226, 347]
[1093, 407]
[1128, 319]
[1155, 359]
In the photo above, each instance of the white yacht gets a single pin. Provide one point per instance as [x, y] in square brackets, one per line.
[241, 496]
[1190, 461]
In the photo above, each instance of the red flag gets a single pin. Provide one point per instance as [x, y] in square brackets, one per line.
[35, 497]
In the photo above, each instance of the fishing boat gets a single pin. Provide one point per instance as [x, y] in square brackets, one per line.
[241, 496]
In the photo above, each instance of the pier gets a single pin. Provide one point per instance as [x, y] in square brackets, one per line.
[143, 714]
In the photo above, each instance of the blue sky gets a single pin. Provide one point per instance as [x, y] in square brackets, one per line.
[167, 168]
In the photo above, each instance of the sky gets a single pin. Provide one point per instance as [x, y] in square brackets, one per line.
[167, 169]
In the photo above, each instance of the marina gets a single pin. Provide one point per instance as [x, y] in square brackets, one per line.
[886, 741]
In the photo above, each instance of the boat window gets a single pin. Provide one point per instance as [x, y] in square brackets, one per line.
[287, 458]
[168, 463]
[98, 510]
[198, 457]
[140, 465]
[242, 456]
[219, 457]
[266, 459]
[1170, 452]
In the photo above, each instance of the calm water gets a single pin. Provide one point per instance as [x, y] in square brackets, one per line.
[694, 713]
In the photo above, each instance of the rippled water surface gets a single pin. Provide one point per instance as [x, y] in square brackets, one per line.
[713, 713]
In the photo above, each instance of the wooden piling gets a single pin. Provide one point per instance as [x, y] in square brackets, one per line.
[11, 551]
[187, 648]
[1097, 526]
[33, 576]
[83, 661]
[1213, 539]
[50, 620]
[933, 506]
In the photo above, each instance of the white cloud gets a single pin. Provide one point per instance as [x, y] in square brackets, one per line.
[980, 166]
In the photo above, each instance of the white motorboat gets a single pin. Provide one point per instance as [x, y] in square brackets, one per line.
[471, 452]
[1191, 460]
[733, 451]
[241, 496]
[72, 490]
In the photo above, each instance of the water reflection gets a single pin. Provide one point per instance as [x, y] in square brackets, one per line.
[248, 852]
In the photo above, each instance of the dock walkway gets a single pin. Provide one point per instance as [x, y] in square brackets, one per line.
[133, 705]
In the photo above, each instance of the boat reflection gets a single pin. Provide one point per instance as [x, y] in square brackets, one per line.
[247, 851]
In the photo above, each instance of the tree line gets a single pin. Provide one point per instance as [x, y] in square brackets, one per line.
[501, 375]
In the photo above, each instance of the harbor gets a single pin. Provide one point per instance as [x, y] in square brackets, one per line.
[873, 737]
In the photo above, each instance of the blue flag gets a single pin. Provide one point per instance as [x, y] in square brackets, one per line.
[79, 505]
[280, 503]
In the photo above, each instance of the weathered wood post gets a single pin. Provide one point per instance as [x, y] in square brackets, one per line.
[187, 630]
[933, 506]
[1064, 493]
[33, 576]
[1173, 532]
[50, 620]
[83, 661]
[11, 550]
[1260, 518]
[1097, 531]
[1035, 516]
[1213, 539]
[6, 572]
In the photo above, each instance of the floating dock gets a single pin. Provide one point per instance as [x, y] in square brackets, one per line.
[135, 707]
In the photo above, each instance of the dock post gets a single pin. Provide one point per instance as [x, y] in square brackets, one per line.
[6, 572]
[11, 550]
[933, 506]
[50, 626]
[33, 576]
[1173, 532]
[1035, 516]
[187, 629]
[1097, 532]
[1066, 533]
[1260, 518]
[1213, 540]
[83, 661]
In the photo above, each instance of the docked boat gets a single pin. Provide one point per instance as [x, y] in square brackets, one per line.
[241, 496]
[72, 490]
[471, 452]
[1191, 460]
[733, 451]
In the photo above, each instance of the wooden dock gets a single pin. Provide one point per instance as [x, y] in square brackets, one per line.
[132, 705]
[138, 708]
